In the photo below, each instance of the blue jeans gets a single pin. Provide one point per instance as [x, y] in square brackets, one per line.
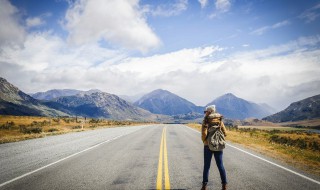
[207, 162]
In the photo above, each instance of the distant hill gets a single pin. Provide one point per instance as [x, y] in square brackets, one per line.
[233, 107]
[15, 102]
[164, 102]
[100, 104]
[308, 108]
[56, 93]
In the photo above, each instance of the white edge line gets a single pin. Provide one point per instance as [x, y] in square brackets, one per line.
[72, 155]
[303, 176]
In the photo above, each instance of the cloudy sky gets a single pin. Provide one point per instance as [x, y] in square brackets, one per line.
[265, 51]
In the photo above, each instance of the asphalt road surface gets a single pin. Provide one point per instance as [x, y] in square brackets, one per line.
[143, 157]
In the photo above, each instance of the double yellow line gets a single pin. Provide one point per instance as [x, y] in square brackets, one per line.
[163, 156]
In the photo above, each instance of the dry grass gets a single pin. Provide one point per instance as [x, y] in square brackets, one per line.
[305, 123]
[50, 126]
[304, 159]
[269, 128]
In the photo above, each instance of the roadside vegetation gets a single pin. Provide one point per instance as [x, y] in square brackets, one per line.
[17, 128]
[296, 147]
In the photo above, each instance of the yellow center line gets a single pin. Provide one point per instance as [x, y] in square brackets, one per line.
[166, 169]
[159, 177]
[163, 153]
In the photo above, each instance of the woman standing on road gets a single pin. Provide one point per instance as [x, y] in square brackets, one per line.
[212, 118]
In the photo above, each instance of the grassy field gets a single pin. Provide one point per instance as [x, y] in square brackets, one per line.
[270, 128]
[313, 123]
[295, 147]
[17, 128]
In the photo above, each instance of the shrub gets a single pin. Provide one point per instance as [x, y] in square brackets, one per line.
[66, 120]
[29, 130]
[52, 130]
[95, 120]
[77, 127]
[274, 131]
[8, 125]
[40, 124]
[57, 120]
[315, 146]
[299, 143]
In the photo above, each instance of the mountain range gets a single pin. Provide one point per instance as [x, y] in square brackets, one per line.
[158, 105]
[164, 102]
[86, 103]
[308, 108]
[100, 105]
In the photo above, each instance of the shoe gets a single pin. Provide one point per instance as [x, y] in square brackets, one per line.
[224, 187]
[204, 186]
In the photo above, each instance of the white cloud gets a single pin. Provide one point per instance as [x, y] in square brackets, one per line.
[203, 3]
[120, 22]
[34, 21]
[280, 24]
[37, 21]
[223, 5]
[264, 29]
[311, 14]
[167, 10]
[185, 60]
[11, 32]
[276, 75]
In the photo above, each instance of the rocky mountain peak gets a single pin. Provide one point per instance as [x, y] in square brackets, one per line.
[164, 102]
[7, 87]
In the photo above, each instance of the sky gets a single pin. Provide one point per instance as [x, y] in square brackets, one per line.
[264, 51]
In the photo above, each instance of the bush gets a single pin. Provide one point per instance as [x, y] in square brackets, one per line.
[57, 120]
[274, 131]
[77, 127]
[299, 143]
[40, 124]
[66, 120]
[53, 130]
[95, 121]
[29, 130]
[8, 125]
[315, 146]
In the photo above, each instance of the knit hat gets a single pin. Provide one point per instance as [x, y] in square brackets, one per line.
[211, 108]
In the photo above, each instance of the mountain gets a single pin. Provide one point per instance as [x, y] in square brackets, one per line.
[56, 93]
[164, 102]
[15, 102]
[308, 108]
[233, 107]
[100, 104]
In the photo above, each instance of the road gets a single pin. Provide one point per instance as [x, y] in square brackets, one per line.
[143, 157]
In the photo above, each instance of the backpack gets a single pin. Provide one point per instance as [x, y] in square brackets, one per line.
[215, 137]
